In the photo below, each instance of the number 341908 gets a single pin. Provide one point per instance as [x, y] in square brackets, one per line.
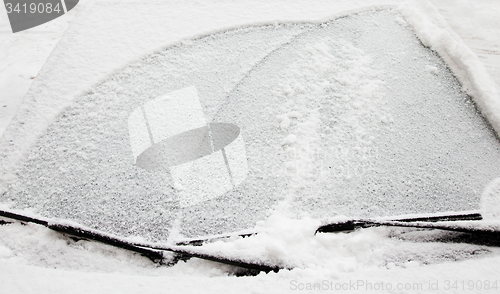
[33, 8]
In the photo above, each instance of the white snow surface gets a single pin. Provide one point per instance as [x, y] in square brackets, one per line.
[433, 31]
[36, 260]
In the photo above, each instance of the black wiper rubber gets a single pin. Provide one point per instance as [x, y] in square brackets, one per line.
[151, 251]
[444, 222]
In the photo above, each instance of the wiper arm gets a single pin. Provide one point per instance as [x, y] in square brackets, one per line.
[462, 222]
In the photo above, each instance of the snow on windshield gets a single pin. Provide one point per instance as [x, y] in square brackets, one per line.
[352, 117]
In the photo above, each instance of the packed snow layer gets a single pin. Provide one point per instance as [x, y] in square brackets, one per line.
[21, 57]
[433, 31]
[477, 24]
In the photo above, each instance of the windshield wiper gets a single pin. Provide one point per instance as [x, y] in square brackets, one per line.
[459, 222]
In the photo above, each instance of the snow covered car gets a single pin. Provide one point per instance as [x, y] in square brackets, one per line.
[274, 129]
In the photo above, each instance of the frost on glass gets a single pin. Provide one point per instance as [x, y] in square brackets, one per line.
[353, 116]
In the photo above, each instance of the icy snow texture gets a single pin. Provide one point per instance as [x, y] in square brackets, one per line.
[368, 130]
[473, 18]
[96, 145]
[373, 132]
[432, 30]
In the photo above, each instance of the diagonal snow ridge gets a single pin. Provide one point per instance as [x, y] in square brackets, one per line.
[434, 32]
[342, 75]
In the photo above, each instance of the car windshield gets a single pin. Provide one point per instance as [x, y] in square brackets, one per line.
[352, 116]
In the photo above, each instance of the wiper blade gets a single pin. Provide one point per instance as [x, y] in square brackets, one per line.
[353, 224]
[149, 250]
[461, 222]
